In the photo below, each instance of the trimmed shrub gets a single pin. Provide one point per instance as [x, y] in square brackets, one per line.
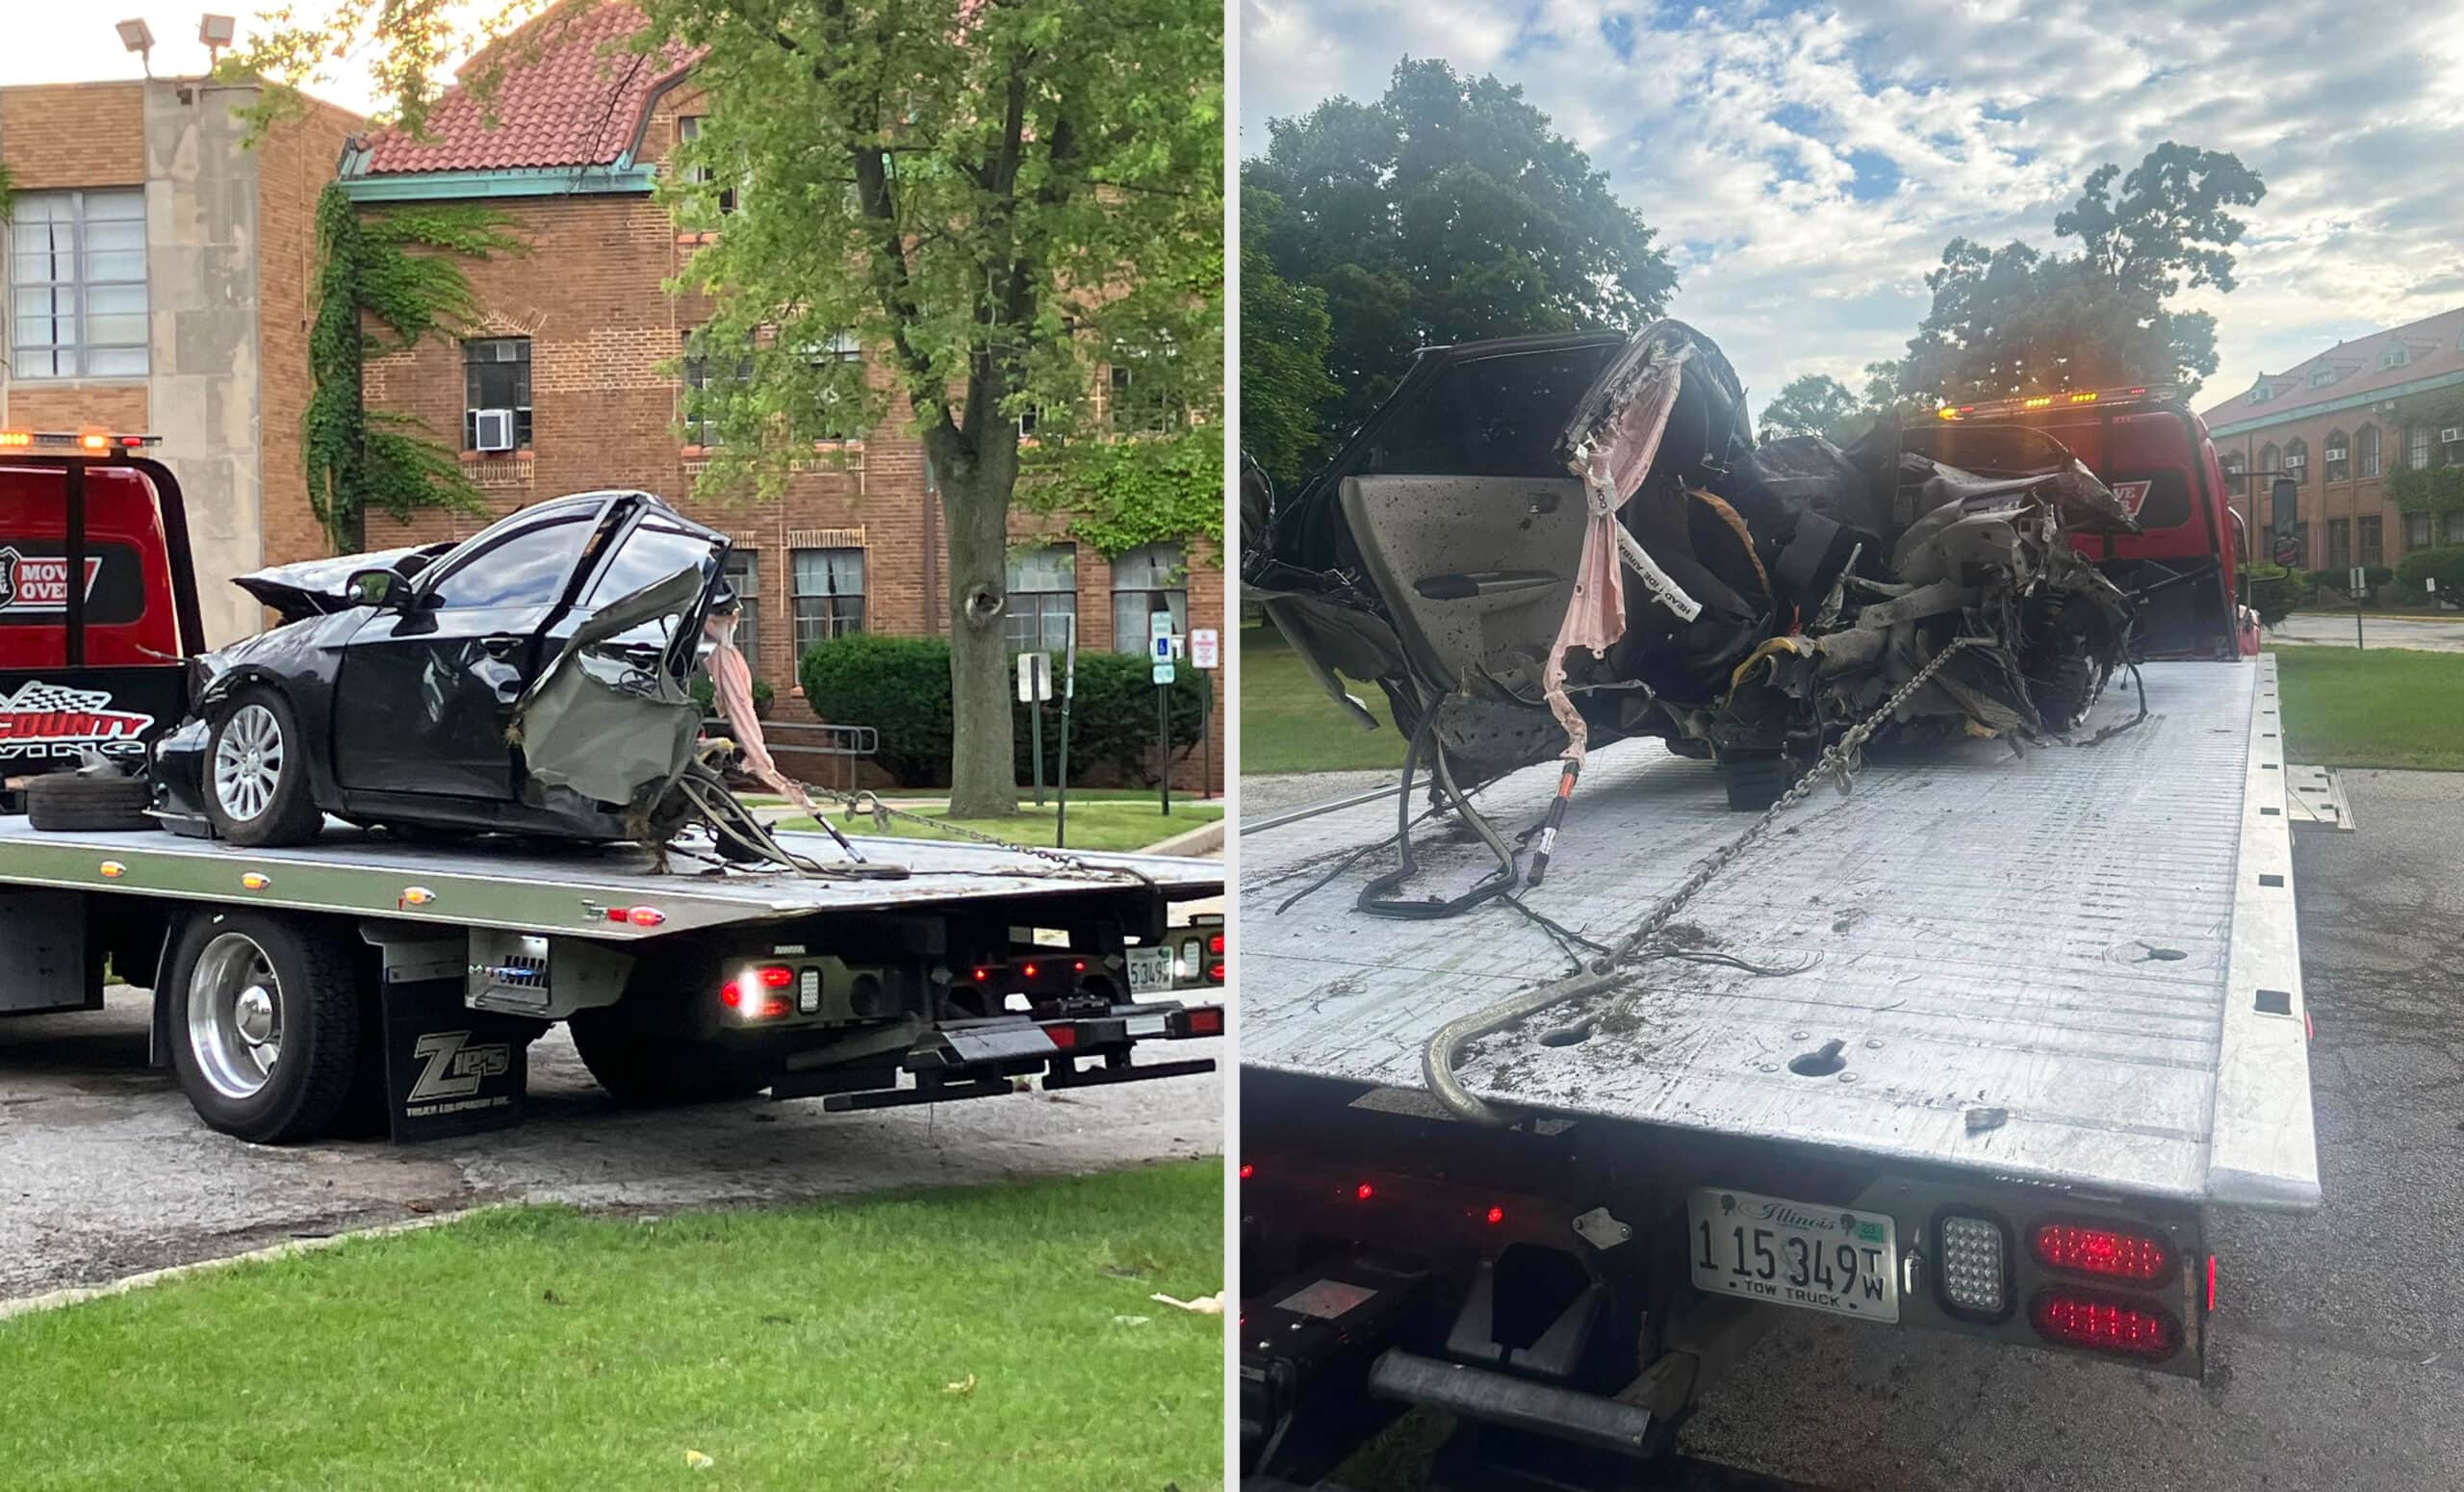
[2275, 591]
[901, 687]
[2446, 563]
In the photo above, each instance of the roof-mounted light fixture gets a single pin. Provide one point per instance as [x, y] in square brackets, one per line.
[138, 38]
[216, 32]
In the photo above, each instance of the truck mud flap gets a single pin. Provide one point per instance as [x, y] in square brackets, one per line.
[450, 1071]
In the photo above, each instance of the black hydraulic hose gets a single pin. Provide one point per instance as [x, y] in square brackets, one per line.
[1373, 899]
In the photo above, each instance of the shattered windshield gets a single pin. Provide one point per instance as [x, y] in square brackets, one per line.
[1498, 416]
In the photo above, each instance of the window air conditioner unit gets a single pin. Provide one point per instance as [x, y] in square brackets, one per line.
[495, 429]
[2335, 452]
[2452, 433]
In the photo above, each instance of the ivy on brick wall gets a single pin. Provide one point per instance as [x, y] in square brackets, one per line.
[1123, 494]
[2417, 491]
[375, 295]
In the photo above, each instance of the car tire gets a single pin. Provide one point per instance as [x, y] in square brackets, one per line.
[256, 772]
[241, 983]
[62, 804]
[644, 1068]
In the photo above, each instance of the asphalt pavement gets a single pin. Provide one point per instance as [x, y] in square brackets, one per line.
[2334, 630]
[105, 1170]
[2338, 1354]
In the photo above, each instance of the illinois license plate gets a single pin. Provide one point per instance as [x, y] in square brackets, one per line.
[1782, 1252]
[1151, 971]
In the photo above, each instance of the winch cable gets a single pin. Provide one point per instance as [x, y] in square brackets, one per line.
[1445, 1048]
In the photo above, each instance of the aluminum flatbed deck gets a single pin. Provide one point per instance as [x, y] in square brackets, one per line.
[2097, 942]
[526, 888]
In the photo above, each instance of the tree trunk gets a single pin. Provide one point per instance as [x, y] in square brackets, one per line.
[983, 777]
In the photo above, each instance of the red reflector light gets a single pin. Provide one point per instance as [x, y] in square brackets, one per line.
[1364, 1190]
[1031, 972]
[1247, 1170]
[983, 975]
[729, 995]
[1064, 1037]
[1206, 1021]
[1215, 946]
[618, 914]
[2106, 1252]
[2211, 1283]
[1079, 966]
[1497, 1215]
[2106, 1325]
[1214, 971]
[777, 976]
[646, 916]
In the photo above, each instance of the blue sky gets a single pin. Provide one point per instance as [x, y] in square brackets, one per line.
[1805, 164]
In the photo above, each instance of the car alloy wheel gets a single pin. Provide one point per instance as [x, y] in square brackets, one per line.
[235, 1016]
[247, 763]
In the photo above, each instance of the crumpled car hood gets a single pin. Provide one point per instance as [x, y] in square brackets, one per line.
[319, 587]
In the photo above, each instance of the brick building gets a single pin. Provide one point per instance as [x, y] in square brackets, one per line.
[2340, 424]
[157, 280]
[578, 342]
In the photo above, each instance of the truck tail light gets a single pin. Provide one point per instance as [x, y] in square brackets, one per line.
[637, 916]
[1064, 1036]
[1975, 1265]
[2105, 1324]
[777, 976]
[1202, 1021]
[2106, 1252]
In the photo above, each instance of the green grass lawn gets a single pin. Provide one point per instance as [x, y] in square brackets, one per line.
[2374, 708]
[1289, 725]
[1101, 824]
[541, 1349]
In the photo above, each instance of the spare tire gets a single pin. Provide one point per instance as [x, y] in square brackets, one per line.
[63, 803]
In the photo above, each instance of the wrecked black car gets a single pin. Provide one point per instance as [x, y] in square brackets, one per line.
[1542, 544]
[531, 679]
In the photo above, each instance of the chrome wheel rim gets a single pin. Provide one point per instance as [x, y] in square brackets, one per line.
[235, 1016]
[247, 763]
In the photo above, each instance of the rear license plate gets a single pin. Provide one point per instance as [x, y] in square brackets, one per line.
[1151, 971]
[1806, 1254]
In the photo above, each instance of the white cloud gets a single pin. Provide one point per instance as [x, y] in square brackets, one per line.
[1745, 134]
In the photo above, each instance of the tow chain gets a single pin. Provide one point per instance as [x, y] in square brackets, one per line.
[869, 802]
[1439, 1056]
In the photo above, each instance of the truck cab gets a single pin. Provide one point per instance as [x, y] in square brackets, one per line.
[101, 664]
[2147, 445]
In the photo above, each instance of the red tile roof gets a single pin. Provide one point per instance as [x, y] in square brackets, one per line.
[580, 102]
[2435, 346]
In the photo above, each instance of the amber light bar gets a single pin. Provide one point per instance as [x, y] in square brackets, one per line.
[1999, 408]
[99, 442]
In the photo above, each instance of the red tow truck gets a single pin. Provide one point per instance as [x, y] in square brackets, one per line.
[372, 980]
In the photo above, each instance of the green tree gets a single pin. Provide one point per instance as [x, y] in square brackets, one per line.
[1285, 391]
[1012, 203]
[395, 273]
[1445, 211]
[1815, 404]
[2018, 320]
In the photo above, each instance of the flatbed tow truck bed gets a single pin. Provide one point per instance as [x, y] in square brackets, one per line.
[2098, 941]
[534, 889]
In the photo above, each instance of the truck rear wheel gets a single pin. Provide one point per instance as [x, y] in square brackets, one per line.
[644, 1068]
[265, 1025]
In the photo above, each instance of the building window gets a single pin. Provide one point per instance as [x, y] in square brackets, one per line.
[2236, 480]
[2301, 545]
[2261, 391]
[77, 272]
[2320, 377]
[1144, 400]
[2339, 544]
[2366, 450]
[2335, 458]
[2270, 460]
[829, 594]
[1043, 598]
[2396, 355]
[744, 578]
[2417, 447]
[2296, 457]
[1149, 579]
[689, 128]
[496, 375]
[2416, 531]
[842, 417]
[2374, 548]
[2455, 525]
[701, 419]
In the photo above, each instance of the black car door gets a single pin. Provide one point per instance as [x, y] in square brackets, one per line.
[424, 695]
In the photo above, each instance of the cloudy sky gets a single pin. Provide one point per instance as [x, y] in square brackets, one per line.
[76, 41]
[1805, 164]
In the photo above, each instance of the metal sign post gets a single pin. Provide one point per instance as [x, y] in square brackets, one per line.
[1160, 650]
[1034, 686]
[2357, 574]
[1206, 656]
[1068, 691]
